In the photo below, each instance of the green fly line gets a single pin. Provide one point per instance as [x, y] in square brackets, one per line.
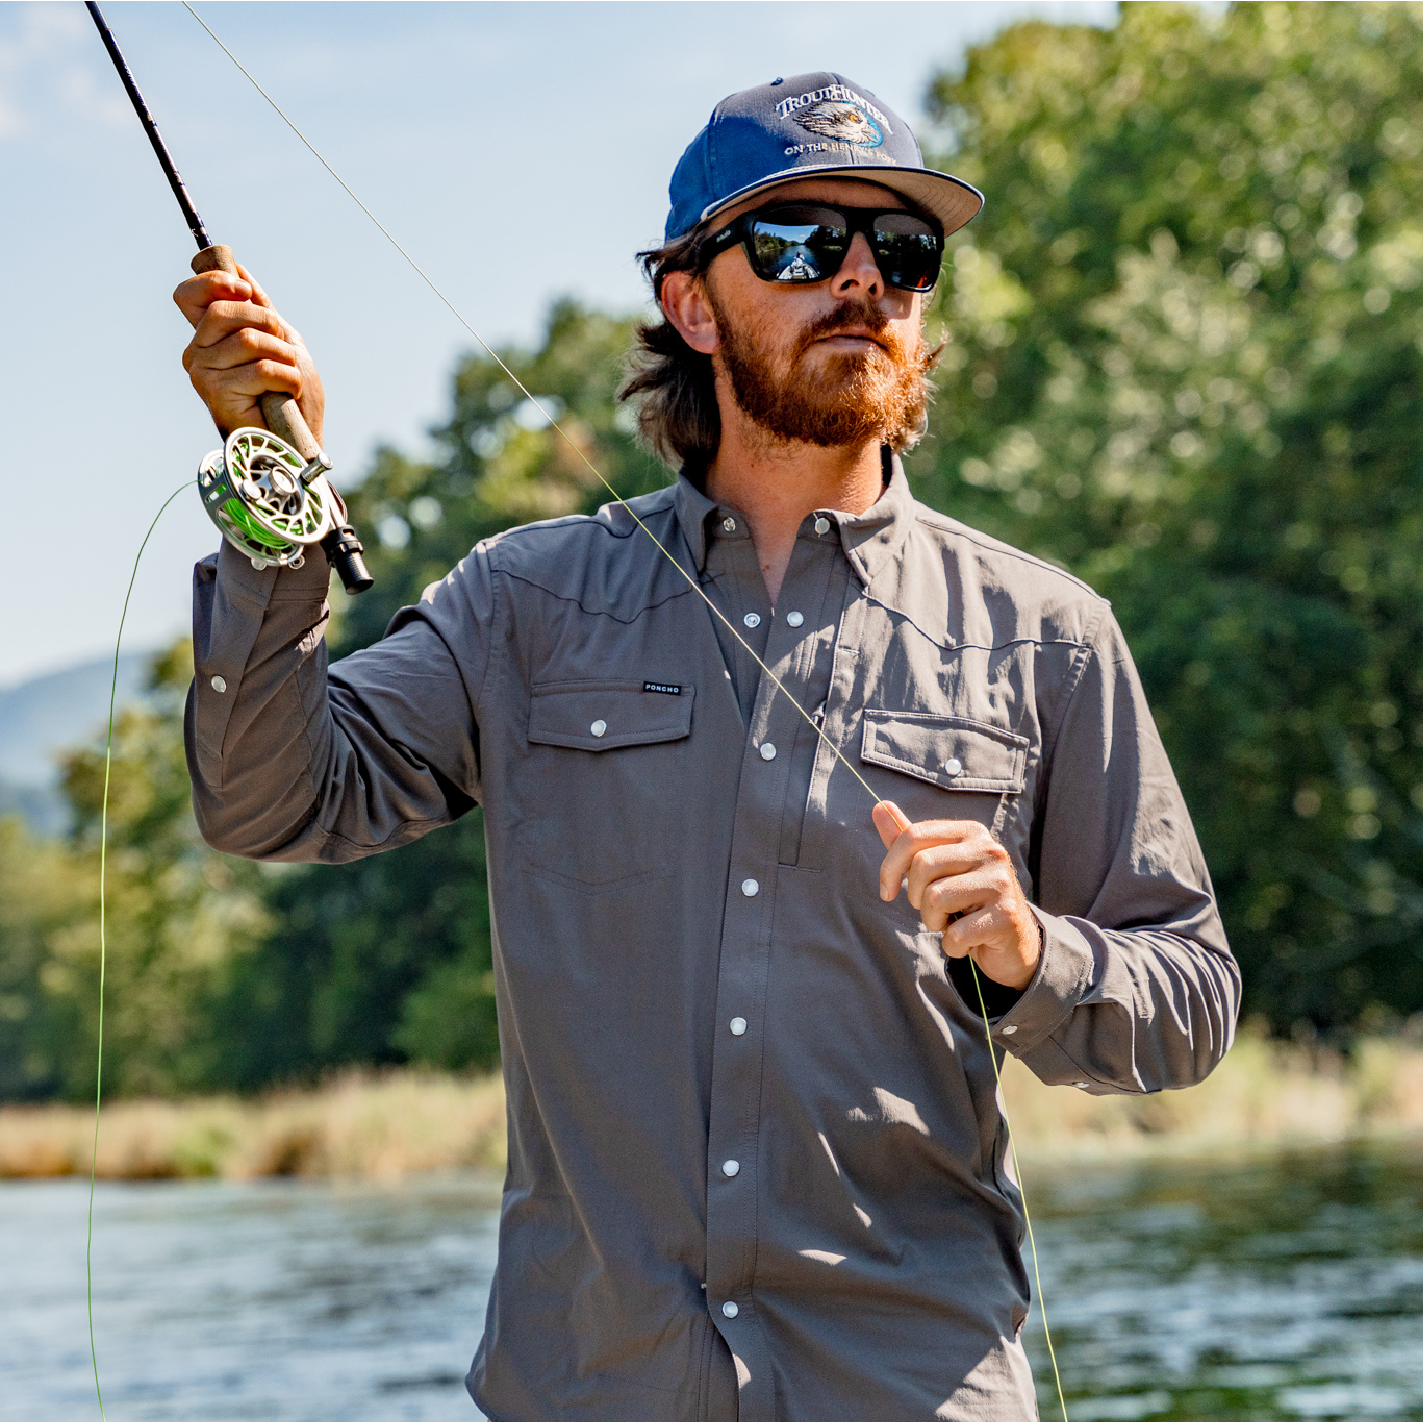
[691, 581]
[103, 939]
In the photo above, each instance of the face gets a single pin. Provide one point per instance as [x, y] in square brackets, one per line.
[833, 363]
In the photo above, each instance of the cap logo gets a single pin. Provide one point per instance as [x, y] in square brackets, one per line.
[839, 96]
[841, 122]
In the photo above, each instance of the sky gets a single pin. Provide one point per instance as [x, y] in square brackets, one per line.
[519, 151]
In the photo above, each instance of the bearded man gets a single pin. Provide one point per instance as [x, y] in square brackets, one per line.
[757, 1164]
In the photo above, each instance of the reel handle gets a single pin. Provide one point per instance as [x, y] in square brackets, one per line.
[284, 419]
[281, 412]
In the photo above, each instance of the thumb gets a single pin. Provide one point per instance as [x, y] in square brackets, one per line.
[890, 821]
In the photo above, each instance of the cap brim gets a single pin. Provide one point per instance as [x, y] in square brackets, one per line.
[952, 201]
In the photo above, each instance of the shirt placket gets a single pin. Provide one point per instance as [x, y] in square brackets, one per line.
[733, 1165]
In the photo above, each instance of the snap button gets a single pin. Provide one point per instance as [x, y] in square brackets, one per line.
[750, 888]
[1010, 1030]
[752, 620]
[729, 525]
[953, 766]
[738, 1026]
[822, 525]
[729, 1309]
[219, 684]
[794, 619]
[768, 751]
[598, 727]
[730, 1168]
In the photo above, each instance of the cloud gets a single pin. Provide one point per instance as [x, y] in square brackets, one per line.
[48, 53]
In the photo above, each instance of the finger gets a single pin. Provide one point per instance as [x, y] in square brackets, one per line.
[922, 836]
[258, 295]
[222, 318]
[943, 862]
[949, 899]
[890, 821]
[241, 348]
[195, 294]
[240, 386]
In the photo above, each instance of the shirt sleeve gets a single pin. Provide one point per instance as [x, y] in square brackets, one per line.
[290, 761]
[1137, 989]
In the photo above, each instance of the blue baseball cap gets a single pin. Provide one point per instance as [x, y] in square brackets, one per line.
[808, 126]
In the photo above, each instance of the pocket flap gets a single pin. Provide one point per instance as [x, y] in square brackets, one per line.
[597, 716]
[951, 751]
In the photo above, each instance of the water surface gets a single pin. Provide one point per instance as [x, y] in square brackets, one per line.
[1289, 1286]
[1284, 1287]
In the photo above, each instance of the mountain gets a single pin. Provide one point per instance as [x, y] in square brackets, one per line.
[46, 715]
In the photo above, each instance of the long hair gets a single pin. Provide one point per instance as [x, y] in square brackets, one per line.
[675, 389]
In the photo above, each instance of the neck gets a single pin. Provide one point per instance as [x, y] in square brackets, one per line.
[776, 483]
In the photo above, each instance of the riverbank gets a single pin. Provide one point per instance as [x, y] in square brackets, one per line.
[393, 1125]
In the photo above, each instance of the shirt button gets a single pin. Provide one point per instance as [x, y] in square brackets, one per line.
[794, 619]
[729, 1309]
[598, 727]
[1009, 1031]
[729, 525]
[822, 525]
[219, 684]
[1083, 1085]
[752, 620]
[750, 888]
[738, 1026]
[730, 1168]
[768, 751]
[953, 765]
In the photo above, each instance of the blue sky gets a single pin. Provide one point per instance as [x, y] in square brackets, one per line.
[446, 118]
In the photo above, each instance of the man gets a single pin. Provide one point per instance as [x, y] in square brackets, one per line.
[757, 1166]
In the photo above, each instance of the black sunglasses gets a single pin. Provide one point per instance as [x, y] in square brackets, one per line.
[808, 242]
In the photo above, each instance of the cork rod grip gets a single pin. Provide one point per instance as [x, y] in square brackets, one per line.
[280, 411]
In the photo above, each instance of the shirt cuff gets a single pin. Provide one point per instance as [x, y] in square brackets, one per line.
[311, 581]
[1057, 987]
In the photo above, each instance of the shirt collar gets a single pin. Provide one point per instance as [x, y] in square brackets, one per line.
[869, 540]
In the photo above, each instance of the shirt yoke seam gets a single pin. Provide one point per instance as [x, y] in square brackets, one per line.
[597, 612]
[1007, 551]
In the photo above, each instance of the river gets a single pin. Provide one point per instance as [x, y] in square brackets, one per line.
[1284, 1286]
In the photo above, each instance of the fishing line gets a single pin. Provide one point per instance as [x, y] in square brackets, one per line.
[103, 938]
[692, 583]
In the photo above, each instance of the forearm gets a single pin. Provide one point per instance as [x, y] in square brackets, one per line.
[1140, 1010]
[289, 763]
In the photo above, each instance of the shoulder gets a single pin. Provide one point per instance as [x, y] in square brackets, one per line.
[607, 561]
[1021, 594]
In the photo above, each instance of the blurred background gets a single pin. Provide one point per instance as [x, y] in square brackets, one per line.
[1183, 360]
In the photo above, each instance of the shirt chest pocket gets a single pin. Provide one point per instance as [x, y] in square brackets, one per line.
[950, 752]
[605, 763]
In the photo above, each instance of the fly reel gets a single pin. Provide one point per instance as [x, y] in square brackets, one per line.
[268, 501]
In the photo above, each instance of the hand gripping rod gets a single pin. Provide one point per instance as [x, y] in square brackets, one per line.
[280, 411]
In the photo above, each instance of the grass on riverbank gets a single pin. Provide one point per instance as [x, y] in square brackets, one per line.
[392, 1125]
[359, 1125]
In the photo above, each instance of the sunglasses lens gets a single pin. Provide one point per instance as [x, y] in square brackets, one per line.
[909, 251]
[801, 244]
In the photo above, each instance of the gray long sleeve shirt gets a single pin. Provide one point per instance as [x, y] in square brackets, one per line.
[756, 1159]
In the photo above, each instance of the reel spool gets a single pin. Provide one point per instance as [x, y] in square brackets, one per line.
[268, 501]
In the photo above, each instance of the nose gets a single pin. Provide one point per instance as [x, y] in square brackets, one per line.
[859, 273]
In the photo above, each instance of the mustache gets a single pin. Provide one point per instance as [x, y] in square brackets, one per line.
[853, 316]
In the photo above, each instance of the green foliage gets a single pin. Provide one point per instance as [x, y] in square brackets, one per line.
[179, 918]
[1184, 361]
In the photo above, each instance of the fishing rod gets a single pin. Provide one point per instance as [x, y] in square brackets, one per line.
[268, 490]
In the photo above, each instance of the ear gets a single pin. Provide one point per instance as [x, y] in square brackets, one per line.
[685, 305]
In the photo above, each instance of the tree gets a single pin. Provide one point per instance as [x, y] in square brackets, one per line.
[1184, 361]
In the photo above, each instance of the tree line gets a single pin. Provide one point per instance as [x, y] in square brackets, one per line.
[1182, 356]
